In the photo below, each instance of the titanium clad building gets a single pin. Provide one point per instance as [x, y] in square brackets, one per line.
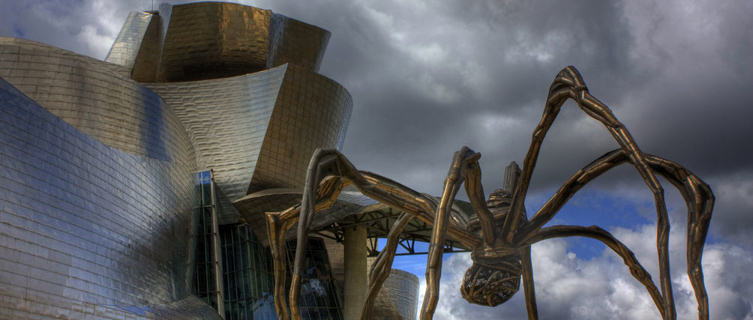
[134, 186]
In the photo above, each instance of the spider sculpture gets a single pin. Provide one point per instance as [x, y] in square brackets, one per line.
[500, 240]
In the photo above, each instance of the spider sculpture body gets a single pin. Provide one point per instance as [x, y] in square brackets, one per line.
[501, 235]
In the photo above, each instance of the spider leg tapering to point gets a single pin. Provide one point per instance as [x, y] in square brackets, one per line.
[699, 201]
[570, 84]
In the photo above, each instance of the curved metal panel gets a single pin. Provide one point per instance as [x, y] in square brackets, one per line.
[86, 230]
[92, 97]
[226, 120]
[296, 42]
[399, 293]
[208, 40]
[147, 63]
[126, 47]
[312, 111]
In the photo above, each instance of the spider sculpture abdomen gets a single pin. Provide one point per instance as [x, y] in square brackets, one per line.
[490, 281]
[494, 276]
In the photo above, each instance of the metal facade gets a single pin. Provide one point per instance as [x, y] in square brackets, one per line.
[400, 290]
[125, 49]
[208, 40]
[86, 229]
[97, 98]
[226, 120]
[98, 158]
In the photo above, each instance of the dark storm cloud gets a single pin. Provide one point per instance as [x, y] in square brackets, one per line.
[446, 76]
[427, 79]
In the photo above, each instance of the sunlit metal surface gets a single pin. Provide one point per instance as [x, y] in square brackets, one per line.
[311, 111]
[86, 229]
[400, 293]
[227, 120]
[97, 98]
[125, 49]
[97, 210]
[243, 126]
[208, 40]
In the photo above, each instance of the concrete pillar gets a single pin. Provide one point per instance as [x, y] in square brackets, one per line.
[356, 277]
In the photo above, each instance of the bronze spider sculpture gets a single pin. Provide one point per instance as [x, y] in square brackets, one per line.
[500, 240]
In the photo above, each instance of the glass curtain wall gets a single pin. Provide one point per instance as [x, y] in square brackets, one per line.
[318, 294]
[203, 285]
[248, 276]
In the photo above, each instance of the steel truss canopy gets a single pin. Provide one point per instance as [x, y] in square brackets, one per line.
[351, 209]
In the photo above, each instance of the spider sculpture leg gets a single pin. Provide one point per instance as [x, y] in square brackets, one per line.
[380, 270]
[570, 84]
[339, 171]
[699, 201]
[463, 160]
[527, 274]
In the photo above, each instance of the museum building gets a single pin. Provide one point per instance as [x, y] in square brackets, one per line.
[136, 187]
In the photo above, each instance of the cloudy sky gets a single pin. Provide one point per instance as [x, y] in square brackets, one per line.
[429, 77]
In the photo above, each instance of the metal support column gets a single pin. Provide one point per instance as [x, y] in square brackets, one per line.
[216, 252]
[356, 278]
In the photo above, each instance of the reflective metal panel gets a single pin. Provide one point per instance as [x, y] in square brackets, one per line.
[264, 125]
[147, 63]
[400, 291]
[208, 40]
[126, 46]
[95, 211]
[86, 230]
[226, 120]
[92, 97]
[312, 111]
[296, 42]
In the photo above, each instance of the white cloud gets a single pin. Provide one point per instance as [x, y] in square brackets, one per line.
[568, 287]
[97, 44]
